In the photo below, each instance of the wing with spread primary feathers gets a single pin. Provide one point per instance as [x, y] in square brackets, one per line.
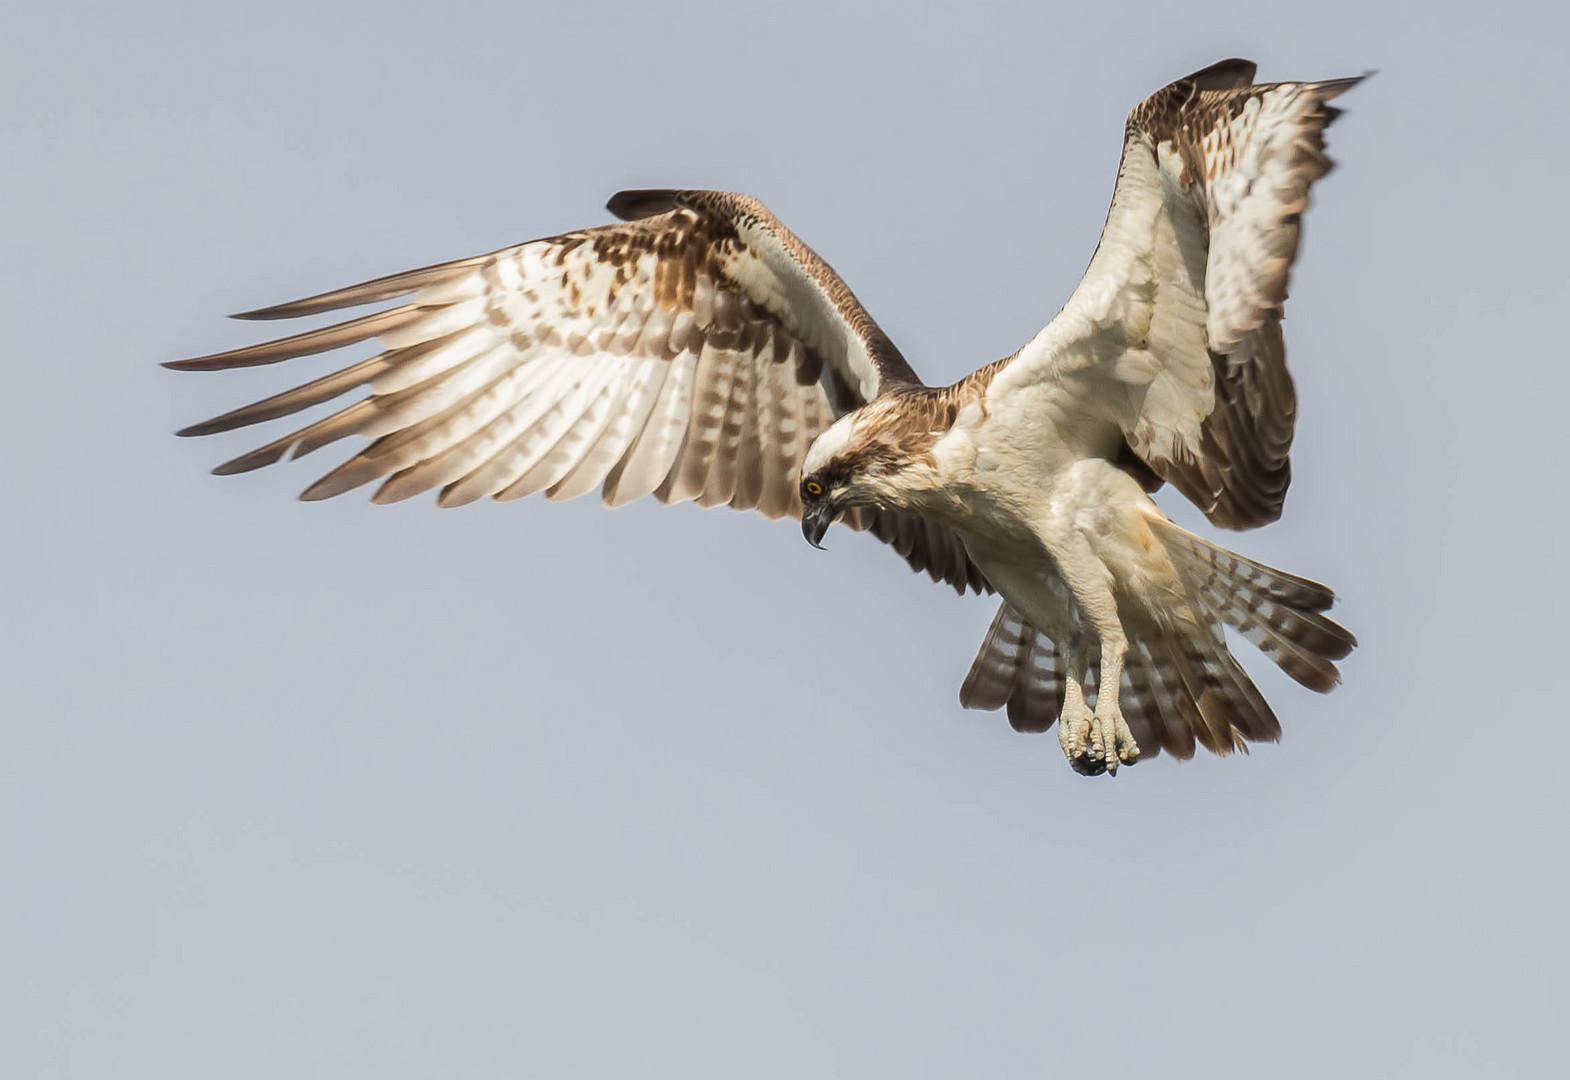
[1174, 334]
[692, 352]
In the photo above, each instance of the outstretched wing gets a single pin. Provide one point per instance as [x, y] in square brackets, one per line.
[692, 352]
[1174, 334]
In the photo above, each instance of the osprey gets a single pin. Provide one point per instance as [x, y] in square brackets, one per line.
[700, 351]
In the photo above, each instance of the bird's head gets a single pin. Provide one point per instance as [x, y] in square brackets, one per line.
[860, 461]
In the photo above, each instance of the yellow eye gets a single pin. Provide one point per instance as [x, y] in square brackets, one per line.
[814, 488]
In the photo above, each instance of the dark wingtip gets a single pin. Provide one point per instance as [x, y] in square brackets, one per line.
[1233, 73]
[1334, 88]
[638, 203]
[215, 426]
[277, 311]
[245, 463]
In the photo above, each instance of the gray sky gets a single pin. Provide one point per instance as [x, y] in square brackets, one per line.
[333, 790]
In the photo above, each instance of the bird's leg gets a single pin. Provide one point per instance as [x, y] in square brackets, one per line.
[1074, 724]
[1111, 741]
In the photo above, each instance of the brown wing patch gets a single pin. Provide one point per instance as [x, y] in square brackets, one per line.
[743, 213]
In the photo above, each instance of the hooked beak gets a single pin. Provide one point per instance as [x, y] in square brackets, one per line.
[815, 521]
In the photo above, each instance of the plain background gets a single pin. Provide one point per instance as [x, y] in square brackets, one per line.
[333, 790]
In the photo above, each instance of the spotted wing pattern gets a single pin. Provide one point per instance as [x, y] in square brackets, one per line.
[692, 352]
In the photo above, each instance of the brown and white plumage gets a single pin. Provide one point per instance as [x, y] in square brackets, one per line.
[1019, 668]
[1174, 334]
[692, 352]
[1172, 342]
[700, 351]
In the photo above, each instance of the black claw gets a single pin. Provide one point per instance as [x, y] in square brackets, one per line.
[1088, 765]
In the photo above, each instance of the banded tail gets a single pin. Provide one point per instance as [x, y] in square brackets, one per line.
[1184, 687]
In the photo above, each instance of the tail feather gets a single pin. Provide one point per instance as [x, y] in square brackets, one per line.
[1280, 613]
[992, 674]
[1252, 717]
[1017, 668]
[1038, 700]
[1309, 666]
[1302, 593]
[1181, 684]
[1179, 715]
[1204, 687]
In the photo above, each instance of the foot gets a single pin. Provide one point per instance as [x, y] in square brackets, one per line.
[1111, 742]
[1074, 735]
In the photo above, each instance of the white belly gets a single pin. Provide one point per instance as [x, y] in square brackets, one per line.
[1028, 507]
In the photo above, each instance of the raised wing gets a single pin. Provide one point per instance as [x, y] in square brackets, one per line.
[1174, 334]
[692, 352]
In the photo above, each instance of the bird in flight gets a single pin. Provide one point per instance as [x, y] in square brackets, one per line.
[698, 350]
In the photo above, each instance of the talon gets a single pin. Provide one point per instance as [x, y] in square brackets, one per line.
[1110, 744]
[1086, 765]
[1109, 752]
[1072, 731]
[1127, 748]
